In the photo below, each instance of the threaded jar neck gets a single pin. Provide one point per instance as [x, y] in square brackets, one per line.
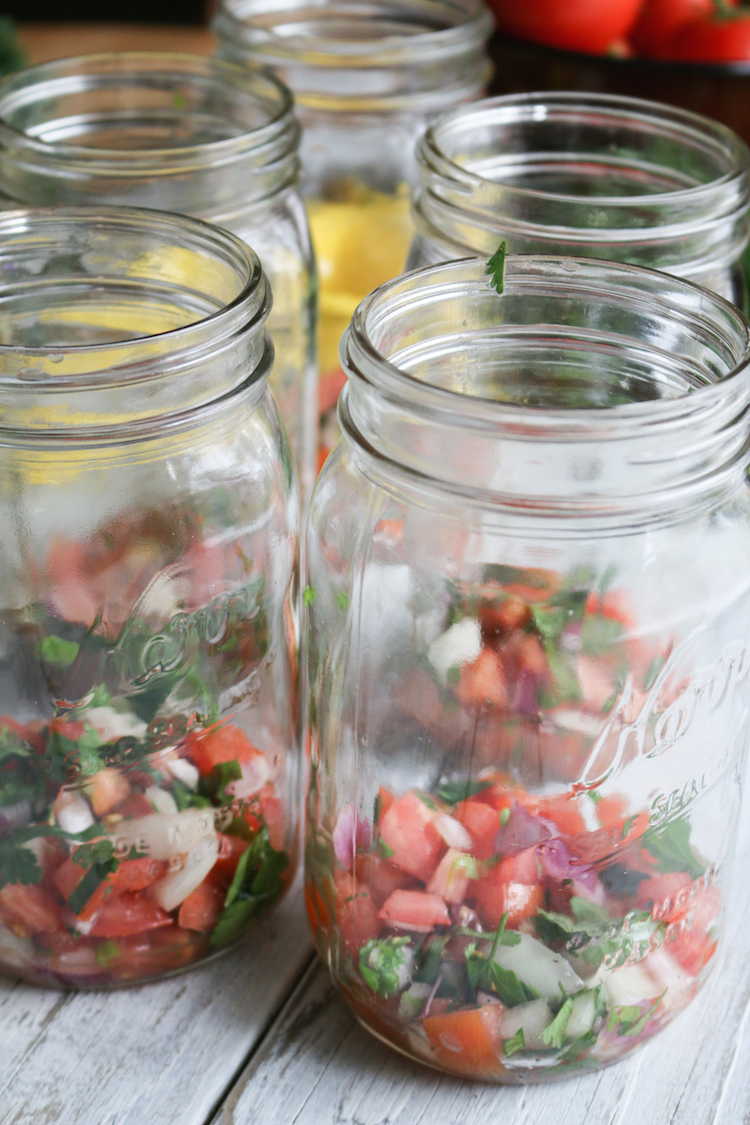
[169, 131]
[119, 322]
[584, 389]
[343, 57]
[586, 175]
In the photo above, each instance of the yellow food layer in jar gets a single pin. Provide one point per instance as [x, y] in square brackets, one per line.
[361, 239]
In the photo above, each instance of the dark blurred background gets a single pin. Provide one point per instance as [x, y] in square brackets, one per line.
[110, 11]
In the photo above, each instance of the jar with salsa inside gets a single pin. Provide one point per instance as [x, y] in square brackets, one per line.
[366, 80]
[179, 133]
[528, 616]
[587, 175]
[148, 630]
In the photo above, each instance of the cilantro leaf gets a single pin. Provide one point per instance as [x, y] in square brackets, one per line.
[309, 595]
[387, 965]
[454, 791]
[214, 786]
[496, 268]
[599, 634]
[552, 1036]
[429, 961]
[18, 864]
[514, 1044]
[257, 883]
[57, 650]
[670, 847]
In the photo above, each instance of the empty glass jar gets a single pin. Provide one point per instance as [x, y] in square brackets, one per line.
[588, 175]
[180, 133]
[366, 80]
[528, 623]
[148, 637]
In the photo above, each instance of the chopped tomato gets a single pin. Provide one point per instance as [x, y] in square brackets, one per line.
[330, 385]
[501, 797]
[385, 799]
[415, 910]
[221, 743]
[356, 912]
[201, 909]
[134, 806]
[468, 1042]
[482, 822]
[507, 613]
[667, 896]
[317, 909]
[495, 897]
[450, 879]
[106, 789]
[415, 843]
[564, 812]
[691, 939]
[124, 914]
[612, 813]
[383, 878]
[612, 605]
[483, 683]
[29, 909]
[230, 850]
[521, 868]
[131, 875]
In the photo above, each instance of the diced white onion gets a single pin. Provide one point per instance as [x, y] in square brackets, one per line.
[538, 967]
[72, 811]
[164, 835]
[255, 773]
[453, 832]
[461, 644]
[174, 888]
[162, 801]
[111, 724]
[628, 986]
[183, 770]
[533, 1018]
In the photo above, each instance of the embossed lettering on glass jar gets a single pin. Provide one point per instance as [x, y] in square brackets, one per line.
[590, 175]
[148, 637]
[366, 80]
[179, 133]
[529, 675]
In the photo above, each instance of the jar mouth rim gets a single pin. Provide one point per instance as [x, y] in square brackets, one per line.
[521, 108]
[323, 51]
[396, 384]
[248, 305]
[108, 67]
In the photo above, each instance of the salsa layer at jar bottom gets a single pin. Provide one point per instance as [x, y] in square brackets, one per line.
[515, 918]
[472, 930]
[138, 871]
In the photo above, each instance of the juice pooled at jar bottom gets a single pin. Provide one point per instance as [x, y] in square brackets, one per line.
[528, 611]
[148, 644]
[366, 80]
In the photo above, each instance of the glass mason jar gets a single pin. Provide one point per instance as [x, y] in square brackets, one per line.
[179, 133]
[529, 615]
[366, 80]
[148, 637]
[587, 175]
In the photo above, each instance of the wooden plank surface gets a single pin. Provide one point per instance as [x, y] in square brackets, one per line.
[165, 1053]
[318, 1066]
[45, 41]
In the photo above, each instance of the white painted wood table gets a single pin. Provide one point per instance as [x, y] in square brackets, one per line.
[262, 1038]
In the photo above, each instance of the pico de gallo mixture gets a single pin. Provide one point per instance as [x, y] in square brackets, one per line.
[513, 919]
[143, 824]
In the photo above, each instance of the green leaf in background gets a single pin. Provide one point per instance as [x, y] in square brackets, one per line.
[57, 650]
[670, 846]
[496, 268]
